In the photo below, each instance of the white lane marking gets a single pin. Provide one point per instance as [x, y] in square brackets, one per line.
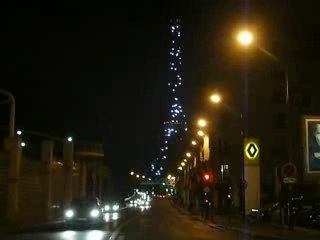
[116, 233]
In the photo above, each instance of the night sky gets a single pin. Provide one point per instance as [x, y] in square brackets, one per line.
[99, 71]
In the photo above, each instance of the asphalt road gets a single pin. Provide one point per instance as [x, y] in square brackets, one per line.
[162, 222]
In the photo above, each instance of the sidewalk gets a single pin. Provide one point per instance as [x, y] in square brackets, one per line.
[257, 230]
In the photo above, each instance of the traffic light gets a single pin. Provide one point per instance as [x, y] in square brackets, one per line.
[207, 177]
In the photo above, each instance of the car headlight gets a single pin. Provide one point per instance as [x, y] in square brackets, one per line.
[115, 207]
[69, 213]
[94, 213]
[106, 207]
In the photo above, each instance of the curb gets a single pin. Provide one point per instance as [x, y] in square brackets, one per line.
[260, 236]
[246, 232]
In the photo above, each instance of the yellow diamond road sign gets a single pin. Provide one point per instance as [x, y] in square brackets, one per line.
[251, 150]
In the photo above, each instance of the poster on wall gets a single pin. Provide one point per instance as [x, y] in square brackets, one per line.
[312, 143]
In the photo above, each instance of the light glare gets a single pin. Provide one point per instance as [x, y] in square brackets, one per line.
[215, 98]
[200, 133]
[245, 38]
[202, 123]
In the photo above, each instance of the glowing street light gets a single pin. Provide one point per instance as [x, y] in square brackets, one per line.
[245, 38]
[132, 173]
[19, 132]
[183, 164]
[23, 144]
[69, 139]
[180, 168]
[143, 176]
[200, 133]
[169, 176]
[193, 142]
[202, 123]
[137, 176]
[185, 160]
[188, 154]
[215, 98]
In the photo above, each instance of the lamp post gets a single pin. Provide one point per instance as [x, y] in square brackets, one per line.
[246, 38]
[12, 102]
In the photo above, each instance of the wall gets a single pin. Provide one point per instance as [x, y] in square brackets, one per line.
[39, 186]
[32, 202]
[4, 165]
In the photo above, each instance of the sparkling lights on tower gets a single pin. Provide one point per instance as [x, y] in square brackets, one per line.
[175, 125]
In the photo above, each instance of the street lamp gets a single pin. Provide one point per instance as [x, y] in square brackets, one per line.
[143, 176]
[180, 168]
[137, 176]
[19, 132]
[23, 144]
[185, 160]
[245, 38]
[215, 98]
[169, 176]
[69, 139]
[202, 122]
[193, 142]
[188, 154]
[200, 133]
[182, 164]
[132, 173]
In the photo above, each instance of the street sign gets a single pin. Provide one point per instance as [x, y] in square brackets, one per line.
[289, 170]
[289, 180]
[251, 150]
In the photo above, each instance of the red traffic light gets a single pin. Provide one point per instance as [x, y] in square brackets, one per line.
[206, 177]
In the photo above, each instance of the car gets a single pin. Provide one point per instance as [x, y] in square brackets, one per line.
[84, 210]
[111, 207]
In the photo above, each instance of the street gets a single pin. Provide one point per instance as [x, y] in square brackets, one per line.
[162, 221]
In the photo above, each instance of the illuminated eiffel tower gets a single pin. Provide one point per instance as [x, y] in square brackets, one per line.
[175, 126]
